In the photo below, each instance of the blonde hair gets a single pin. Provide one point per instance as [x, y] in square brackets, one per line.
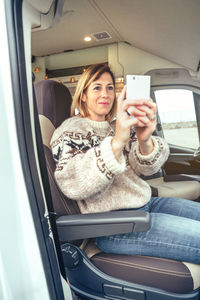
[91, 74]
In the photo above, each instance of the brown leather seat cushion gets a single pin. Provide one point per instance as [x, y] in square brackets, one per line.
[169, 275]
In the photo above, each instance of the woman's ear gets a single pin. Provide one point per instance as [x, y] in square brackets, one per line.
[83, 97]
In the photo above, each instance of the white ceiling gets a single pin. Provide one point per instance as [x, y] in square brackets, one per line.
[166, 28]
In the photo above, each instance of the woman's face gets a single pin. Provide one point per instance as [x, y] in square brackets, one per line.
[99, 97]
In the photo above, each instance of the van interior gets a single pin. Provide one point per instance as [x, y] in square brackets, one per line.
[154, 37]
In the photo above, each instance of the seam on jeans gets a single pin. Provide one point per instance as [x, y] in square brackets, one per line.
[150, 242]
[155, 270]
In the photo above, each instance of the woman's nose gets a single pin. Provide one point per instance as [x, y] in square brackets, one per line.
[104, 92]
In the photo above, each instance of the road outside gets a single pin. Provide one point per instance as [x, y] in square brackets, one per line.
[186, 137]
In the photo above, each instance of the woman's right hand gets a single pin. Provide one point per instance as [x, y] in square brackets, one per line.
[124, 122]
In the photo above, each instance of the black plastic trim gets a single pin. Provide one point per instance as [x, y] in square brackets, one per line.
[197, 111]
[83, 226]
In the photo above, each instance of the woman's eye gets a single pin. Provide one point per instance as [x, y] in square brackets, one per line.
[111, 88]
[96, 88]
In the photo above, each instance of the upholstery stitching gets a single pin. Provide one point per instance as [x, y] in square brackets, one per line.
[131, 265]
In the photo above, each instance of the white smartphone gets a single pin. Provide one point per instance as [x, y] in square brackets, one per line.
[138, 86]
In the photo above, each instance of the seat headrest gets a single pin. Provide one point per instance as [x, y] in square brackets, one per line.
[53, 101]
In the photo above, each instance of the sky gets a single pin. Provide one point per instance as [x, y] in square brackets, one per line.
[175, 105]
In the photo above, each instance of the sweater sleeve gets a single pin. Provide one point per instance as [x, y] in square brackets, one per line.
[149, 164]
[83, 169]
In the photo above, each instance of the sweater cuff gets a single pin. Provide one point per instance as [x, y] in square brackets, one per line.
[150, 156]
[114, 165]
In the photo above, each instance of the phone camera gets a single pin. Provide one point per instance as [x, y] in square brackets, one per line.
[133, 77]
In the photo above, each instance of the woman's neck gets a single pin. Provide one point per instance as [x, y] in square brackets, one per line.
[98, 124]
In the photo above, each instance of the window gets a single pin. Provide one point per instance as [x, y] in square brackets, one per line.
[177, 115]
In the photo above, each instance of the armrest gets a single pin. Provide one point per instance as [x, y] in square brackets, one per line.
[74, 227]
[181, 177]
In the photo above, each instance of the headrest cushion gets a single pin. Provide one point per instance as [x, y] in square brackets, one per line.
[53, 101]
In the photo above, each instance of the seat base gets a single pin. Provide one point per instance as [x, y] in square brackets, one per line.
[91, 282]
[169, 275]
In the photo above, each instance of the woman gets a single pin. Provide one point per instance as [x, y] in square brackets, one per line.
[99, 163]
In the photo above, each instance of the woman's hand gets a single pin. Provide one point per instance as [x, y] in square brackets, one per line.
[124, 121]
[138, 113]
[144, 133]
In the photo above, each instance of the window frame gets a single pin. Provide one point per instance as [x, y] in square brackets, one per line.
[196, 95]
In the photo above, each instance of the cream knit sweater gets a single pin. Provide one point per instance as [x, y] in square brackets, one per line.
[88, 172]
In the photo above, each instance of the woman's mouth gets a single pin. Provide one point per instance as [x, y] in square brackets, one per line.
[104, 103]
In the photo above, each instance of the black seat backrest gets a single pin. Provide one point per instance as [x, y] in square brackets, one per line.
[54, 102]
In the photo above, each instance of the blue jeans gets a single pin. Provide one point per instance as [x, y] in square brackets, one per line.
[174, 232]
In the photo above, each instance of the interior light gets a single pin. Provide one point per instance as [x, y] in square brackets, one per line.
[72, 79]
[37, 69]
[119, 79]
[119, 84]
[87, 38]
[46, 77]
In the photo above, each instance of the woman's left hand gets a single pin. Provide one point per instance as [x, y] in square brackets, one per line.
[147, 127]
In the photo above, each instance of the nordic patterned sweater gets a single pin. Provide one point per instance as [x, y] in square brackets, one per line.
[88, 172]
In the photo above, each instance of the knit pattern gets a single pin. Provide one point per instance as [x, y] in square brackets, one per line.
[88, 172]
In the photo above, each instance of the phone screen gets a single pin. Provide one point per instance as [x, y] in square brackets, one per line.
[138, 86]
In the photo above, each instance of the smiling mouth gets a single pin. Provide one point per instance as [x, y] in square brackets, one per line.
[104, 103]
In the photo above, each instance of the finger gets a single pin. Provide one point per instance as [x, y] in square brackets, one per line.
[134, 111]
[134, 122]
[150, 114]
[139, 124]
[134, 102]
[138, 121]
[150, 110]
[147, 123]
[145, 109]
[152, 105]
[153, 118]
[122, 96]
[145, 120]
[149, 101]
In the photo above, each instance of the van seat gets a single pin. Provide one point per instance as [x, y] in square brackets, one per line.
[142, 273]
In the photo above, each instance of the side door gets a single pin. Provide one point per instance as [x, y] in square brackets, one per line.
[177, 96]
